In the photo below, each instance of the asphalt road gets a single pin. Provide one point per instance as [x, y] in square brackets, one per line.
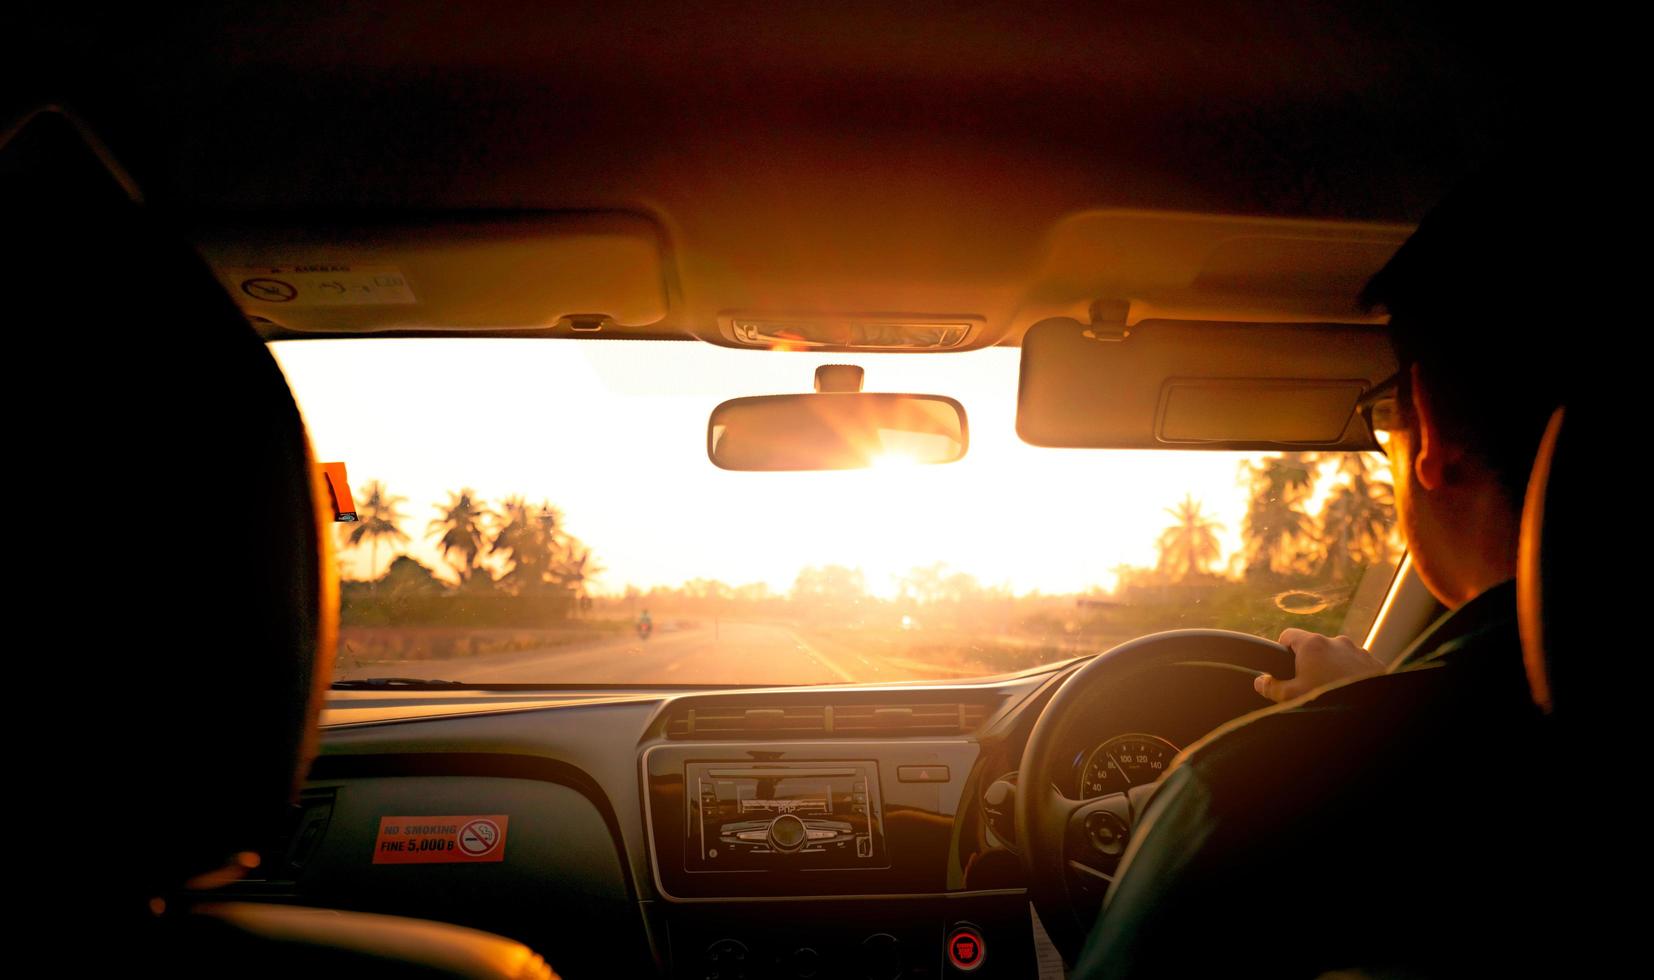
[728, 653]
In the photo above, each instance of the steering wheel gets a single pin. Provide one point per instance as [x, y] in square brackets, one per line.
[1072, 848]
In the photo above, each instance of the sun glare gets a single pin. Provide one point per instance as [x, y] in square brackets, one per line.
[613, 436]
[894, 461]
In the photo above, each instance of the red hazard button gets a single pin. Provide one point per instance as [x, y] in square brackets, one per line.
[965, 949]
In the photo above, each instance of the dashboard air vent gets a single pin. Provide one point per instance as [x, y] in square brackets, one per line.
[944, 718]
[787, 720]
[843, 720]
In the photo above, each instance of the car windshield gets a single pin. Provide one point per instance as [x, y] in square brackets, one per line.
[544, 512]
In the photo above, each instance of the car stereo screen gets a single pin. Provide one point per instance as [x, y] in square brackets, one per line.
[757, 818]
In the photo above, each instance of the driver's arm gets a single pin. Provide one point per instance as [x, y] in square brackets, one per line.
[1203, 891]
[1260, 853]
[1135, 935]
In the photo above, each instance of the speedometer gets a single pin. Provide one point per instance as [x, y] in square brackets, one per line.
[1123, 762]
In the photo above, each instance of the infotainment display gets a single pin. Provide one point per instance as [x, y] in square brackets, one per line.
[774, 816]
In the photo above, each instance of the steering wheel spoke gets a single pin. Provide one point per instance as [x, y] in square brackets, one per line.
[1088, 882]
[1072, 849]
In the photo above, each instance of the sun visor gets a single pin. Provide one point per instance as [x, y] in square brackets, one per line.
[445, 273]
[1174, 384]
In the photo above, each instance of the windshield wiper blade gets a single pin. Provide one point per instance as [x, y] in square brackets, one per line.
[362, 683]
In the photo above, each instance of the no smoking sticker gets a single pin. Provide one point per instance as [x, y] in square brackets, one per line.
[319, 285]
[270, 290]
[440, 840]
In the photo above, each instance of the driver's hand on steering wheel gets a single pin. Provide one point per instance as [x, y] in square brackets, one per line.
[1320, 660]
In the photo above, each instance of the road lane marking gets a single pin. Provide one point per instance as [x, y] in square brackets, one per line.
[822, 658]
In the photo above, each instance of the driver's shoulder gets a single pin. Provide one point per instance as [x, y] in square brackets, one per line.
[1318, 733]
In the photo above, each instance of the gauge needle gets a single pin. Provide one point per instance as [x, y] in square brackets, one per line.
[1122, 769]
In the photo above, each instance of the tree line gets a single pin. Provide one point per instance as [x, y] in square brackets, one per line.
[523, 550]
[1281, 538]
[515, 549]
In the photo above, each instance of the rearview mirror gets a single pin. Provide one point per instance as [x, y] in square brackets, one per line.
[835, 431]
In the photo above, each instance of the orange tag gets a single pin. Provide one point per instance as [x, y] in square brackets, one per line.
[338, 487]
[440, 840]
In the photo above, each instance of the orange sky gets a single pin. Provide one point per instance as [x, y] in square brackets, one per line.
[614, 434]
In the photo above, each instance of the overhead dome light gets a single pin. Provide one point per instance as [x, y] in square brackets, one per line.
[849, 333]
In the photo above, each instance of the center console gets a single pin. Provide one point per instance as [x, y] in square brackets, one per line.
[804, 819]
[824, 859]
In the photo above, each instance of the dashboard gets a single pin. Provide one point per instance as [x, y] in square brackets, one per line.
[854, 831]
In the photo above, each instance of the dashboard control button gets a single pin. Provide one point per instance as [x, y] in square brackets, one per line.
[787, 832]
[804, 963]
[965, 948]
[882, 957]
[1108, 834]
[922, 774]
[726, 959]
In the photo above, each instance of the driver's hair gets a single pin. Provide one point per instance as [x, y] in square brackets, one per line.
[1493, 373]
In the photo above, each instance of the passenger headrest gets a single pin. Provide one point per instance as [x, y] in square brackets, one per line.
[175, 519]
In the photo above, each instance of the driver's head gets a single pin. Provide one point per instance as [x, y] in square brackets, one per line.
[1477, 381]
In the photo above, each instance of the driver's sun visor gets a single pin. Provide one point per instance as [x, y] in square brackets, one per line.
[1175, 384]
[455, 273]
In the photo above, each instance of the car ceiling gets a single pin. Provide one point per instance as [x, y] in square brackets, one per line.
[966, 159]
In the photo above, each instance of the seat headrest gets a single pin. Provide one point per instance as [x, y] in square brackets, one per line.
[1554, 569]
[176, 517]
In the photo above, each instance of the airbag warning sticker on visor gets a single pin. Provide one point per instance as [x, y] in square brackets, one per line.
[440, 840]
[321, 285]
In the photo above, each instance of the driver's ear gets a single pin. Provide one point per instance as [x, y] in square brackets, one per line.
[1436, 460]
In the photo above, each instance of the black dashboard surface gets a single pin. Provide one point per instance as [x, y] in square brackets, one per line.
[591, 869]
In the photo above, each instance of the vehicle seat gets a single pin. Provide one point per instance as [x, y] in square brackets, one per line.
[1554, 568]
[203, 589]
[1585, 682]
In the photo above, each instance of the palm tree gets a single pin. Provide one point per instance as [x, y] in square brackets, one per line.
[461, 529]
[1190, 546]
[1277, 527]
[578, 570]
[380, 518]
[1356, 521]
[527, 539]
[550, 518]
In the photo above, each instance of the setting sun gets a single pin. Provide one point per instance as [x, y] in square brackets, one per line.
[894, 461]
